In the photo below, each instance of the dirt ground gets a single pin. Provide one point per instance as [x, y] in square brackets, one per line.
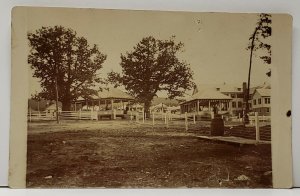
[126, 154]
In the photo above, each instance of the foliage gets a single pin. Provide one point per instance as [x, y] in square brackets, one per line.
[151, 67]
[58, 53]
[262, 31]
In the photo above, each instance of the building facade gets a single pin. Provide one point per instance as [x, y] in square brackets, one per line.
[261, 101]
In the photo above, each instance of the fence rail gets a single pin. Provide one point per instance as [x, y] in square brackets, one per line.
[169, 120]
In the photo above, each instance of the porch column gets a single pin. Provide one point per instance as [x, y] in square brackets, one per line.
[197, 106]
[112, 108]
[112, 104]
[122, 104]
[98, 104]
[208, 105]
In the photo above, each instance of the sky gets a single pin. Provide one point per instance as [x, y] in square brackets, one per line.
[214, 43]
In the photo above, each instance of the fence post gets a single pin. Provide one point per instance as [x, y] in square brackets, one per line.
[194, 118]
[153, 119]
[143, 115]
[212, 115]
[257, 126]
[185, 121]
[79, 114]
[137, 116]
[114, 114]
[130, 114]
[165, 118]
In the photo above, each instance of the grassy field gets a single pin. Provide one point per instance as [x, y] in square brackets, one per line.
[126, 154]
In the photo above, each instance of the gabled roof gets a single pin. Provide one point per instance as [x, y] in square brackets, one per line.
[53, 106]
[264, 92]
[263, 86]
[160, 105]
[166, 101]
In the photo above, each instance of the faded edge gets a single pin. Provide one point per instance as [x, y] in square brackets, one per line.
[19, 89]
[282, 101]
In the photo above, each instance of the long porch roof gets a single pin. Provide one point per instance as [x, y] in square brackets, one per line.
[208, 95]
[111, 93]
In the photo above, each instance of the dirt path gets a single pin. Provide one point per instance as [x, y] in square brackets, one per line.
[135, 157]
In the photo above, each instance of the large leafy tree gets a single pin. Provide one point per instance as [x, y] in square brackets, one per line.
[153, 66]
[65, 63]
[258, 44]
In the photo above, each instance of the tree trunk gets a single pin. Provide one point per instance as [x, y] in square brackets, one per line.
[246, 117]
[147, 108]
[66, 105]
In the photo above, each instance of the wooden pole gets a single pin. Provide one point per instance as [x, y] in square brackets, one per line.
[185, 120]
[198, 106]
[112, 108]
[167, 119]
[153, 119]
[143, 111]
[257, 127]
[194, 118]
[114, 114]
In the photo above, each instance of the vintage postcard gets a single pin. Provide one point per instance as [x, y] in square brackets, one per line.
[150, 99]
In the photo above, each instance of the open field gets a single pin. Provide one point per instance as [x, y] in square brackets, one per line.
[126, 154]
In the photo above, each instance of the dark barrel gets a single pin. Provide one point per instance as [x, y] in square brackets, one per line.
[217, 126]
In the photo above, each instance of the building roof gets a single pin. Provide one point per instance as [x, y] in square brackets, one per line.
[264, 92]
[113, 93]
[53, 106]
[262, 86]
[110, 93]
[224, 88]
[166, 101]
[209, 94]
[160, 105]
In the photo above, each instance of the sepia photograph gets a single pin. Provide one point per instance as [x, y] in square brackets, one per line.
[148, 99]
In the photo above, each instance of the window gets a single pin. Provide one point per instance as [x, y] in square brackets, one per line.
[259, 101]
[267, 100]
[268, 110]
[240, 95]
[218, 89]
[240, 104]
[254, 102]
[239, 89]
[233, 105]
[232, 95]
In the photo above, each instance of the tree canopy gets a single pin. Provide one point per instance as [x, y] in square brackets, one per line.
[59, 54]
[257, 42]
[153, 66]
